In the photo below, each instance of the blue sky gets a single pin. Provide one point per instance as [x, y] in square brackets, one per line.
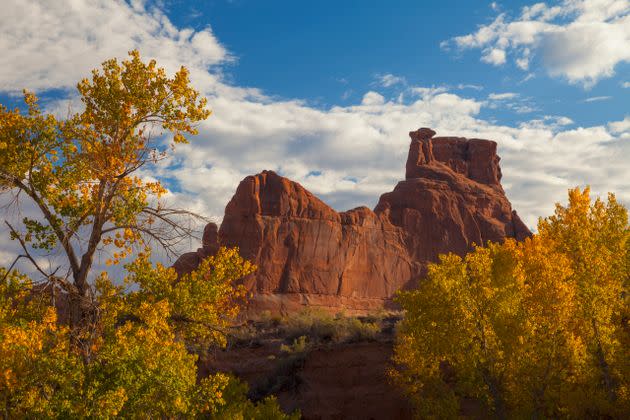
[330, 52]
[325, 92]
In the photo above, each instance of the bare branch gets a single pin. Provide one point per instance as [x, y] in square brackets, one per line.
[27, 253]
[6, 274]
[72, 258]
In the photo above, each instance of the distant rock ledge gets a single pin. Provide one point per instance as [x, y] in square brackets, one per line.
[308, 254]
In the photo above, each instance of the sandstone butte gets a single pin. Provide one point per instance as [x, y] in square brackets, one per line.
[308, 254]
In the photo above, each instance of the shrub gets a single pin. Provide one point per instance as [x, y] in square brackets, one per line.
[322, 327]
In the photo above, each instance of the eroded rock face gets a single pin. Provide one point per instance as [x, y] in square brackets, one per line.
[209, 246]
[309, 254]
[344, 381]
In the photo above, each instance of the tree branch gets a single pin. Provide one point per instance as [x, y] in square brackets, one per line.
[67, 247]
[27, 255]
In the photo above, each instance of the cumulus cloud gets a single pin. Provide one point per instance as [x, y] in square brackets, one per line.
[53, 44]
[620, 127]
[373, 98]
[579, 40]
[494, 56]
[557, 121]
[348, 155]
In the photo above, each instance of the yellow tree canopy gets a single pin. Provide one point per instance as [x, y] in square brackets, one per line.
[521, 329]
[136, 361]
[81, 172]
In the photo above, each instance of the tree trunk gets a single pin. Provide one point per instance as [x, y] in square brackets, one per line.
[495, 391]
[609, 382]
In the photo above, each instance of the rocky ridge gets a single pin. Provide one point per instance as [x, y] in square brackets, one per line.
[308, 254]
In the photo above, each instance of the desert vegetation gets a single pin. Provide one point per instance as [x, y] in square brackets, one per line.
[312, 326]
[288, 341]
[532, 329]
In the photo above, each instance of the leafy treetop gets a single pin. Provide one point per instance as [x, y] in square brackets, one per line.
[81, 172]
[531, 329]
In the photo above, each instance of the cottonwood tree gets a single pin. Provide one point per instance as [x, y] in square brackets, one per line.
[81, 173]
[129, 347]
[538, 328]
[595, 237]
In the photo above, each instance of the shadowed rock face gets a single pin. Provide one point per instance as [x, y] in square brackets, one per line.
[209, 246]
[309, 254]
[343, 381]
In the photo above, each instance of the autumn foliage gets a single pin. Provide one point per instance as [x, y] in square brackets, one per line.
[531, 329]
[81, 172]
[75, 343]
[137, 361]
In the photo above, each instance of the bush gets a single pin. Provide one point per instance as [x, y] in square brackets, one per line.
[300, 345]
[322, 327]
[286, 375]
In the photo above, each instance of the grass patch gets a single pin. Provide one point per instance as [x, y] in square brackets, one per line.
[321, 327]
[317, 326]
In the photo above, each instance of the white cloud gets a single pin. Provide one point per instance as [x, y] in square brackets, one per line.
[388, 80]
[620, 127]
[587, 51]
[512, 101]
[557, 121]
[579, 40]
[502, 96]
[469, 86]
[348, 155]
[426, 92]
[524, 109]
[625, 85]
[530, 76]
[597, 98]
[494, 56]
[372, 98]
[54, 44]
[522, 62]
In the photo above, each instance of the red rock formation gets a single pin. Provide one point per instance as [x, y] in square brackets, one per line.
[209, 246]
[309, 254]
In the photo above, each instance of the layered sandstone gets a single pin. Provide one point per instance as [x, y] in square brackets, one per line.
[309, 254]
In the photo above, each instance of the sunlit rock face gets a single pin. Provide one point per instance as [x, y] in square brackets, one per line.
[308, 254]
